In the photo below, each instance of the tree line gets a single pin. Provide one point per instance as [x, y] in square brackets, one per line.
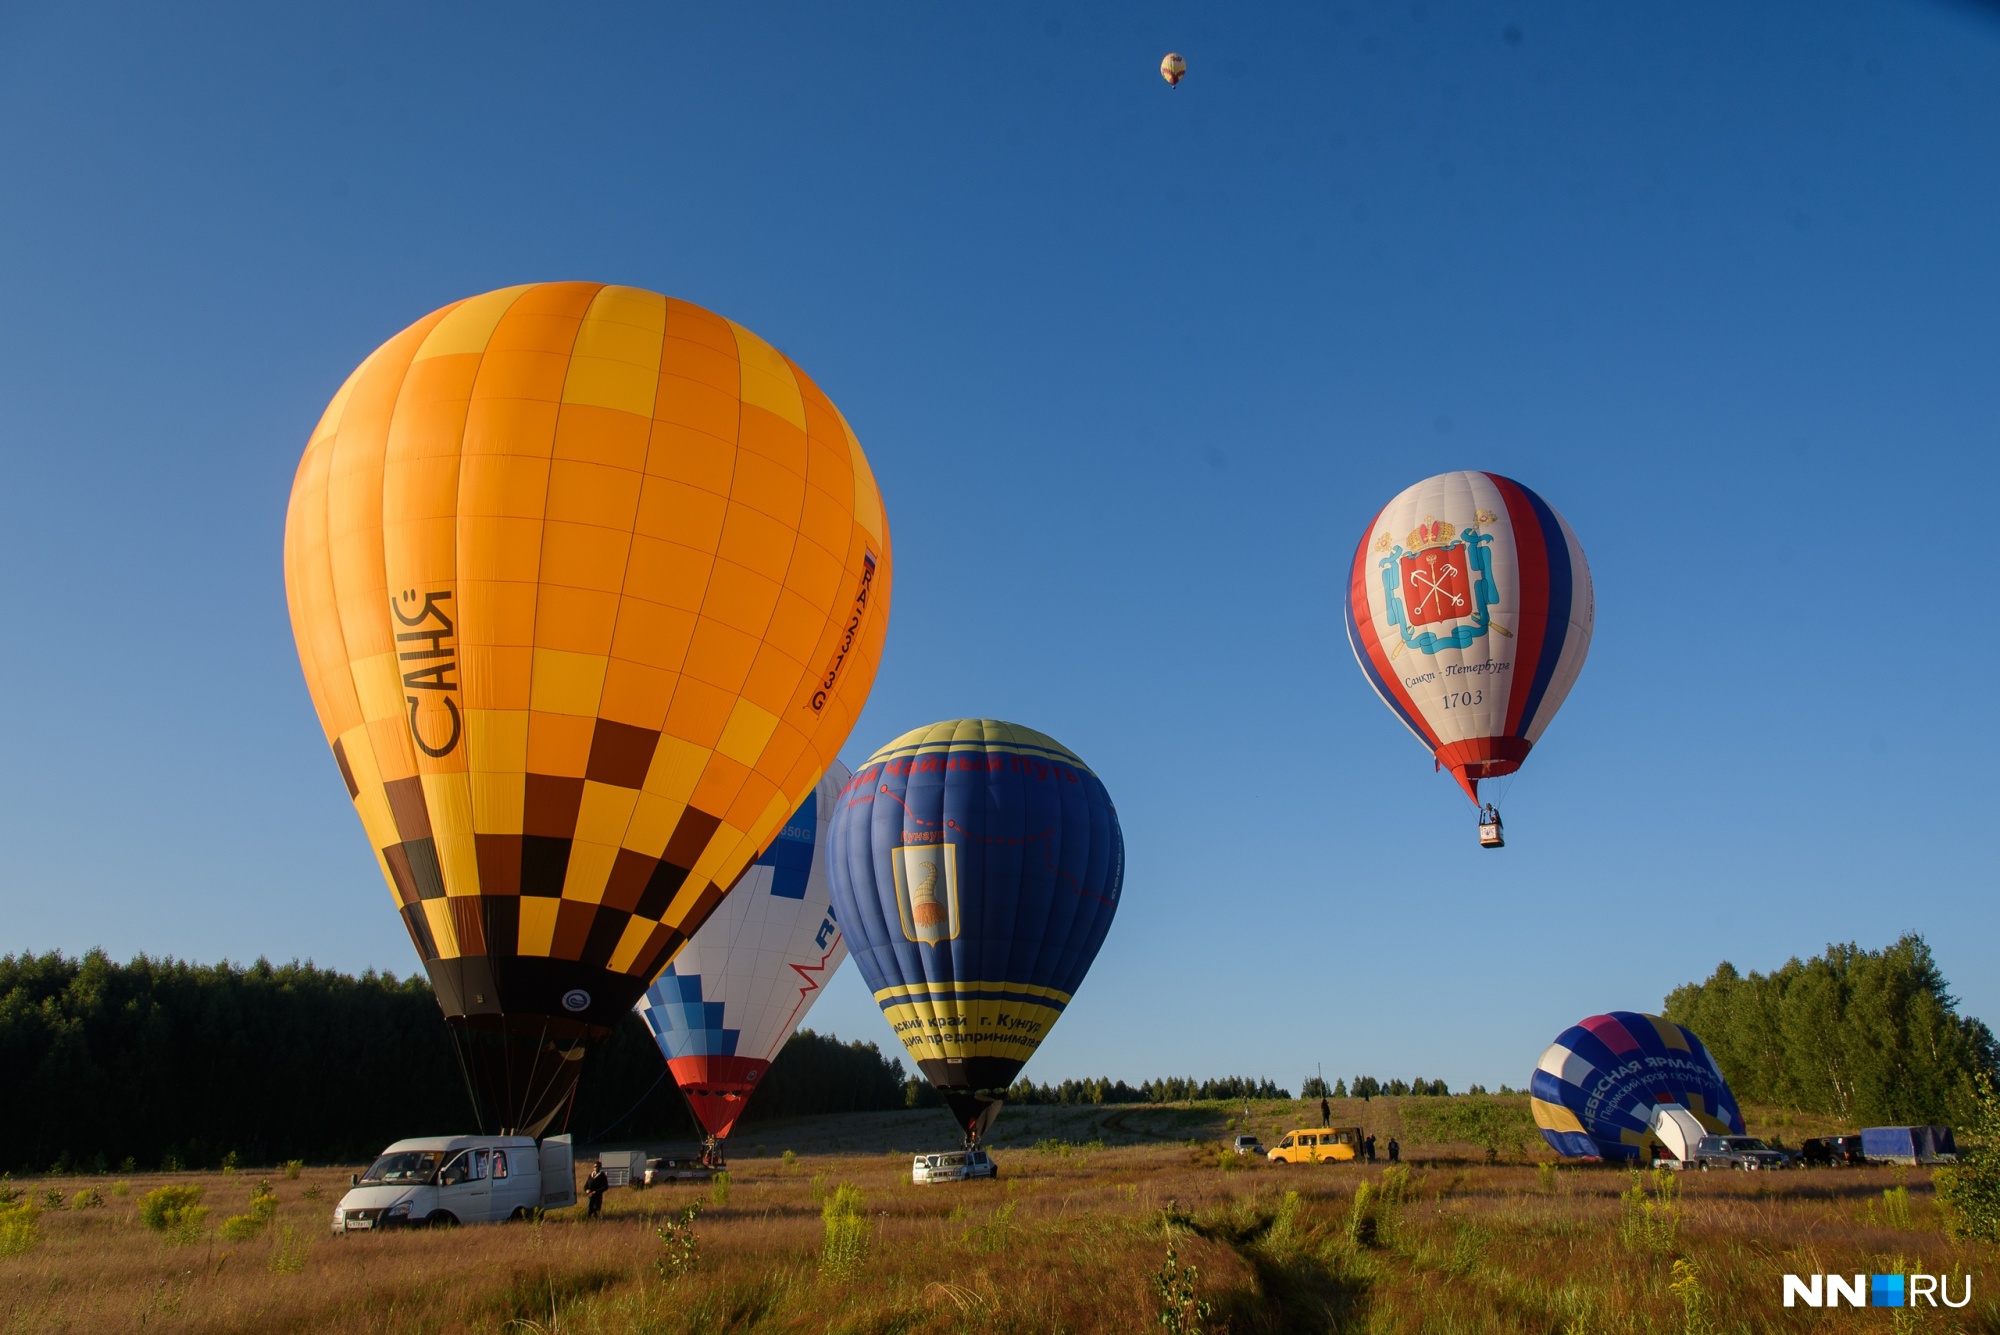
[1872, 1037]
[166, 1064]
[1171, 1089]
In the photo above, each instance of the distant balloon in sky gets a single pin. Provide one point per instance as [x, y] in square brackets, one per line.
[1173, 69]
[589, 585]
[745, 981]
[1469, 608]
[976, 866]
[1595, 1089]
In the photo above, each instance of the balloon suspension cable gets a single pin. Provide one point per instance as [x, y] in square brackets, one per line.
[613, 1125]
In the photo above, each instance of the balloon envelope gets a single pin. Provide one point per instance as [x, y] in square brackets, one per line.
[1172, 68]
[744, 982]
[976, 866]
[588, 585]
[1594, 1090]
[1470, 610]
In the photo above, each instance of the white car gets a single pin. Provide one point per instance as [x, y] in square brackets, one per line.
[442, 1180]
[955, 1166]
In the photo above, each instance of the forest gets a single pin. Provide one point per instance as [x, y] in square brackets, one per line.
[165, 1064]
[1872, 1037]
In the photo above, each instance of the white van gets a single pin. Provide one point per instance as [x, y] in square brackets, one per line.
[441, 1180]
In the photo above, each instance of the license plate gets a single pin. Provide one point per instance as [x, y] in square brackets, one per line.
[361, 1223]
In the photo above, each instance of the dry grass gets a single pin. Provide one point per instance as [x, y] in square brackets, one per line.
[1063, 1242]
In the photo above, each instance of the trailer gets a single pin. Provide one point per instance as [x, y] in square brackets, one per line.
[1909, 1145]
[623, 1168]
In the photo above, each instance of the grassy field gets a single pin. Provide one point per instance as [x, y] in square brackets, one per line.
[1073, 1237]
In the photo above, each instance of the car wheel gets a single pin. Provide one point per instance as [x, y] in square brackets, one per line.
[441, 1219]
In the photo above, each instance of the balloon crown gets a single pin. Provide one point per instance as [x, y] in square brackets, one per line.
[1430, 533]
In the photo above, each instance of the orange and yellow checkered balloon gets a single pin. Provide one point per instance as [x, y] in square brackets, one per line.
[589, 585]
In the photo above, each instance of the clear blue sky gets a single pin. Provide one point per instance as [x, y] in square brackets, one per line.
[1134, 367]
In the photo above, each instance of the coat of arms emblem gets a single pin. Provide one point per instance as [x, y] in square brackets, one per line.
[927, 891]
[1439, 575]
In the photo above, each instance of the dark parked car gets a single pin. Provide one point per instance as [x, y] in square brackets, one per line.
[1746, 1152]
[1832, 1152]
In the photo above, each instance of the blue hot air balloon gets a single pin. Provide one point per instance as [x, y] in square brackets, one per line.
[1597, 1087]
[975, 867]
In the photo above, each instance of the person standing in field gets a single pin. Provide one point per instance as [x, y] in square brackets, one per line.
[1395, 1151]
[1368, 1148]
[594, 1187]
[1325, 1113]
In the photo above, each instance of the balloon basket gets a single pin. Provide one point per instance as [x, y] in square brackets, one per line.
[1491, 834]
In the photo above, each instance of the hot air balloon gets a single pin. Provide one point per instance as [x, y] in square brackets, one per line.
[1598, 1087]
[743, 983]
[588, 585]
[976, 866]
[1469, 608]
[1173, 69]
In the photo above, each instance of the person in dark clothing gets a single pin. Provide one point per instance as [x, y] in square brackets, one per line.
[1395, 1150]
[1368, 1149]
[594, 1187]
[1325, 1113]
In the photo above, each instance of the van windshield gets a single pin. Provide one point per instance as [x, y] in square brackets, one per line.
[408, 1166]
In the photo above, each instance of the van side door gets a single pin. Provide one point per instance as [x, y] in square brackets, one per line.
[516, 1184]
[464, 1190]
[558, 1161]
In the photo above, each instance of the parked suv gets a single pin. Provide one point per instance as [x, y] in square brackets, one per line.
[1832, 1152]
[1248, 1145]
[1746, 1152]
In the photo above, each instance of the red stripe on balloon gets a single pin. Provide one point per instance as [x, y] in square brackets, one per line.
[1364, 627]
[1531, 558]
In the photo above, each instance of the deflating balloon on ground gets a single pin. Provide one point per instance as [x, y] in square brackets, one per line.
[1595, 1090]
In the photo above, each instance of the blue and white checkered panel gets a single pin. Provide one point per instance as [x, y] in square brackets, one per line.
[745, 981]
[682, 1023]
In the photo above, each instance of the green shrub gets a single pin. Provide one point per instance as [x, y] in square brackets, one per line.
[847, 1234]
[229, 1163]
[1969, 1195]
[718, 1189]
[20, 1227]
[241, 1227]
[90, 1198]
[53, 1199]
[1177, 1289]
[1650, 1223]
[789, 1159]
[175, 1213]
[680, 1253]
[293, 1167]
[288, 1251]
[121, 1188]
